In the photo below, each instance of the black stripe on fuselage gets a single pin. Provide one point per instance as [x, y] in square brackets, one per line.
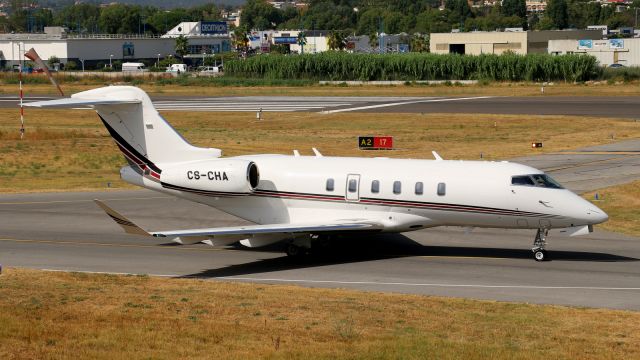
[201, 192]
[126, 146]
[368, 201]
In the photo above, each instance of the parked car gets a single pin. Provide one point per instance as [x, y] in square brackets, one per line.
[616, 65]
[133, 67]
[210, 70]
[177, 68]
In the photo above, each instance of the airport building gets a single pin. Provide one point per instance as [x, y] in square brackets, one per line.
[317, 42]
[498, 42]
[612, 51]
[204, 38]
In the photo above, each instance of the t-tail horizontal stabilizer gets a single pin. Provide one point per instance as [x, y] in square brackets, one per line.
[75, 102]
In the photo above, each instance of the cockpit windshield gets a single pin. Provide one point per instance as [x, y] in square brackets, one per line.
[538, 180]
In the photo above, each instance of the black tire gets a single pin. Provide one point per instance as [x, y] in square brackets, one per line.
[295, 251]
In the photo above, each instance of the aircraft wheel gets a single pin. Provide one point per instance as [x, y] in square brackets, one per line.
[540, 255]
[295, 251]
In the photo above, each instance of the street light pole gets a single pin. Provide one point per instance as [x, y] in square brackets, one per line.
[110, 64]
[158, 62]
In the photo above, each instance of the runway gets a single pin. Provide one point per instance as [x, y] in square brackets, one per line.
[67, 231]
[594, 106]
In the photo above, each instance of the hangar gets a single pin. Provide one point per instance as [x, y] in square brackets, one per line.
[203, 38]
[608, 52]
[498, 42]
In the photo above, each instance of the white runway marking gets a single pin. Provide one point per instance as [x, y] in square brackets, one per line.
[404, 103]
[337, 282]
[234, 105]
[279, 104]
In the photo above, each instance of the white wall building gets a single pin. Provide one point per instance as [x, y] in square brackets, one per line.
[204, 38]
[612, 51]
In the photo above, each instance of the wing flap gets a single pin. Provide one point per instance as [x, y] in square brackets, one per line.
[347, 225]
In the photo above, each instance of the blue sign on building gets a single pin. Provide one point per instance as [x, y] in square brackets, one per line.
[128, 49]
[285, 40]
[213, 27]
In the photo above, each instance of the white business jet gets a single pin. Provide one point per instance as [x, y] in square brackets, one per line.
[299, 199]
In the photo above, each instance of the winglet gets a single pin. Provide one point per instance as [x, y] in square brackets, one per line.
[435, 155]
[128, 226]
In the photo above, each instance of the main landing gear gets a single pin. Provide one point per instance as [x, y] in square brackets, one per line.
[539, 253]
[295, 251]
[299, 246]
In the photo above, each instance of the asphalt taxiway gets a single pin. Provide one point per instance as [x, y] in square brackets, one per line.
[67, 231]
[593, 106]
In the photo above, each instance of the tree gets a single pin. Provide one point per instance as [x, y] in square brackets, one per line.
[259, 15]
[557, 13]
[71, 65]
[53, 60]
[419, 43]
[182, 46]
[515, 8]
[459, 11]
[373, 40]
[336, 40]
[302, 41]
[240, 39]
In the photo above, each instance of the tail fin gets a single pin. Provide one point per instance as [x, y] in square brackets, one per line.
[144, 137]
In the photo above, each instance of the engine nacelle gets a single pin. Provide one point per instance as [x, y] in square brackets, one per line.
[231, 176]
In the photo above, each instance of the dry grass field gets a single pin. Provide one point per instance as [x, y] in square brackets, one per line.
[70, 149]
[622, 203]
[493, 89]
[46, 315]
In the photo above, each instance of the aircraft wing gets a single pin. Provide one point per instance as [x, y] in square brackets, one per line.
[291, 228]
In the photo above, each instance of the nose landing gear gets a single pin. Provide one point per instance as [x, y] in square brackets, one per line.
[539, 243]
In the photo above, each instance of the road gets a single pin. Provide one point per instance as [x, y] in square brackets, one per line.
[613, 107]
[67, 231]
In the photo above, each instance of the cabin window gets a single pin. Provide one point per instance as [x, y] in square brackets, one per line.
[542, 180]
[397, 187]
[353, 185]
[522, 180]
[375, 186]
[419, 188]
[330, 184]
[538, 180]
[442, 189]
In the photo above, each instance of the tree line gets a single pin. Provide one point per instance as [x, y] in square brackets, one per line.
[361, 17]
[367, 17]
[112, 19]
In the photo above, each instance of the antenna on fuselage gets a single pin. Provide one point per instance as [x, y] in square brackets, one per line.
[315, 151]
[436, 156]
[296, 153]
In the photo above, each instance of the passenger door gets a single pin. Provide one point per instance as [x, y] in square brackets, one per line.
[353, 187]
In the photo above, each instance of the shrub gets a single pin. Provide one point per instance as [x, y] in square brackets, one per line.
[341, 66]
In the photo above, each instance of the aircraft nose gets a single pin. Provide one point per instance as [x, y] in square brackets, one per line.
[595, 215]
